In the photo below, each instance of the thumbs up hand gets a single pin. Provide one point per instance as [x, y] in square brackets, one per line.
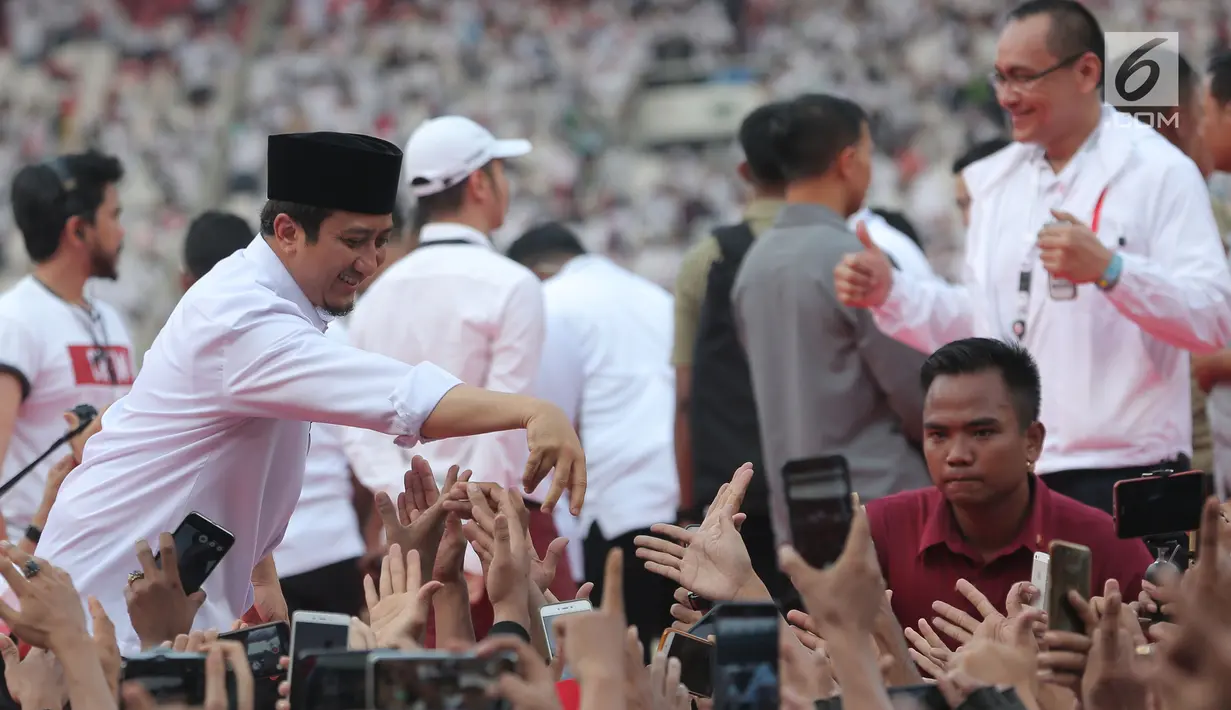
[863, 279]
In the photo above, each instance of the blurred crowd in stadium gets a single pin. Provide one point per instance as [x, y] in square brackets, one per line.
[151, 81]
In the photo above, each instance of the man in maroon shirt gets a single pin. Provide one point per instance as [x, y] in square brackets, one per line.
[987, 513]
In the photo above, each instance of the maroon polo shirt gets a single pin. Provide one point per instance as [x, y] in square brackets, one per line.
[922, 552]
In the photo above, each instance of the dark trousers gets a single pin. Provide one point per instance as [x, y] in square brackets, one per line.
[335, 588]
[647, 596]
[1094, 488]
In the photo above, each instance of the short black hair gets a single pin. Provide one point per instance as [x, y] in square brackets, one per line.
[812, 131]
[46, 195]
[212, 237]
[543, 242]
[448, 200]
[1074, 29]
[978, 152]
[898, 221]
[1220, 78]
[974, 355]
[756, 140]
[309, 217]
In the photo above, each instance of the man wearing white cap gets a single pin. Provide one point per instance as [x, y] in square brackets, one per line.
[464, 306]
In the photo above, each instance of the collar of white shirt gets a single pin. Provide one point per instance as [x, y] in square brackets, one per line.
[440, 231]
[282, 283]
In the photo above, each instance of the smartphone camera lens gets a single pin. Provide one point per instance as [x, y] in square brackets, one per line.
[203, 539]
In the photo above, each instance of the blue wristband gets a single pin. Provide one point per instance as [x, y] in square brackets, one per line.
[1111, 276]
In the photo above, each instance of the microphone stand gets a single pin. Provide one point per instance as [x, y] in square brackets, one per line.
[85, 415]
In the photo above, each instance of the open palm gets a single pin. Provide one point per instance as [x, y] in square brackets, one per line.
[398, 609]
[712, 560]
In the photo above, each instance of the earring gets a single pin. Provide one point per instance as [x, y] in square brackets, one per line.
[1030, 466]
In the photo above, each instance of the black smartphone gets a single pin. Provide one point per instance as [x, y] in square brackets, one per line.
[696, 661]
[1068, 569]
[172, 677]
[1161, 504]
[435, 680]
[745, 659]
[818, 503]
[329, 680]
[200, 544]
[265, 644]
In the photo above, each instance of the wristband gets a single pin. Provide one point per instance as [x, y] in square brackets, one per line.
[33, 534]
[1111, 276]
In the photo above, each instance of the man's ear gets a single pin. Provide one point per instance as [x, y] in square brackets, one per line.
[1035, 434]
[745, 173]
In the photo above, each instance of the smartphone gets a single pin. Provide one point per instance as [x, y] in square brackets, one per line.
[745, 658]
[917, 697]
[265, 645]
[696, 660]
[818, 504]
[329, 680]
[171, 677]
[314, 631]
[1068, 569]
[1039, 577]
[435, 680]
[1160, 503]
[551, 612]
[200, 544]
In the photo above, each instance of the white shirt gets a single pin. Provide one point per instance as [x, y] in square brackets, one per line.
[906, 255]
[1115, 364]
[606, 364]
[477, 314]
[217, 423]
[65, 355]
[324, 528]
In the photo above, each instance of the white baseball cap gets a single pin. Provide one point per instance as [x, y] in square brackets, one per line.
[445, 150]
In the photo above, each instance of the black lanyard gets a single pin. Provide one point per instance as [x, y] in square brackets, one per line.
[90, 317]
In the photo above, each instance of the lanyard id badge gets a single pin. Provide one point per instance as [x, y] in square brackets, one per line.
[1058, 289]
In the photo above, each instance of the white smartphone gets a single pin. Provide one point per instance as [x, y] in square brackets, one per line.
[317, 631]
[550, 612]
[1039, 577]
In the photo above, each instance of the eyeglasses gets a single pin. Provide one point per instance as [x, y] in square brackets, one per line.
[1025, 81]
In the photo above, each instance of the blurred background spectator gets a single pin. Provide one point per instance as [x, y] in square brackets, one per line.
[631, 104]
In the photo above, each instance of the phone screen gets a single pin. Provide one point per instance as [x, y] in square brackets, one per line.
[437, 682]
[265, 645]
[1159, 505]
[1068, 569]
[696, 660]
[329, 680]
[746, 656]
[818, 493]
[313, 637]
[169, 677]
[200, 545]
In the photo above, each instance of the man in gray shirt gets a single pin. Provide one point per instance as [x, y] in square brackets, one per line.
[826, 381]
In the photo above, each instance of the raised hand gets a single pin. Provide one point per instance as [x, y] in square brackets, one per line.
[712, 560]
[398, 609]
[863, 279]
[417, 521]
[157, 606]
[845, 598]
[51, 616]
[554, 446]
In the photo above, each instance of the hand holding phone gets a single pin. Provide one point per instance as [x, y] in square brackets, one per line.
[1068, 570]
[818, 502]
[200, 544]
[695, 655]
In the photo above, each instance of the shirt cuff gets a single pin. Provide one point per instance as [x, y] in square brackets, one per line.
[416, 396]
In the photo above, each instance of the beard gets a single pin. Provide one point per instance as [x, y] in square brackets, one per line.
[339, 311]
[104, 265]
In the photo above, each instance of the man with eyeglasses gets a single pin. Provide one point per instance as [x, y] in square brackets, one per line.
[1091, 242]
[58, 348]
